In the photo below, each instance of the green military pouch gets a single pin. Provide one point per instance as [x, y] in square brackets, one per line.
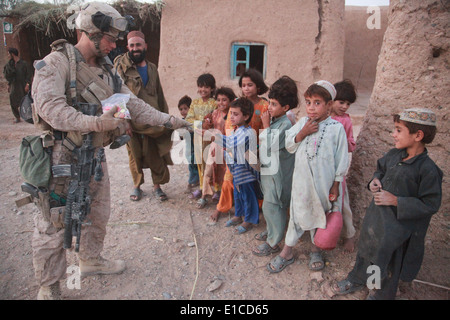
[34, 162]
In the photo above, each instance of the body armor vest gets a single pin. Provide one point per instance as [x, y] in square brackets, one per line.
[85, 85]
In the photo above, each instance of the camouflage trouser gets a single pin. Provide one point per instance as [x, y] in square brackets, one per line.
[49, 257]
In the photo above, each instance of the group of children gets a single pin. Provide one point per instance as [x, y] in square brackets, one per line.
[251, 153]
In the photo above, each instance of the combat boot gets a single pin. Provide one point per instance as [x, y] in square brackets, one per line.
[51, 292]
[101, 266]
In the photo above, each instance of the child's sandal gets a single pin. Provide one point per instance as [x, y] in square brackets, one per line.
[201, 203]
[262, 236]
[345, 287]
[216, 197]
[265, 249]
[316, 258]
[278, 264]
[196, 194]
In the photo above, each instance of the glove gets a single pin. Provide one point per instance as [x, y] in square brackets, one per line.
[176, 123]
[107, 122]
[124, 127]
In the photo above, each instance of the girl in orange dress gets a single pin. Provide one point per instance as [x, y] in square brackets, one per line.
[215, 167]
[252, 85]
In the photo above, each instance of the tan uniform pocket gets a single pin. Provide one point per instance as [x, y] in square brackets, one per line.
[43, 203]
[57, 217]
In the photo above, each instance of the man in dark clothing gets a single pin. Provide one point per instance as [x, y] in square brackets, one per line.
[18, 74]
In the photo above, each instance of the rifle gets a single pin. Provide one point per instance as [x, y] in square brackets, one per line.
[78, 201]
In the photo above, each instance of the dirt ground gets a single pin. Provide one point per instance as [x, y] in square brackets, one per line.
[170, 250]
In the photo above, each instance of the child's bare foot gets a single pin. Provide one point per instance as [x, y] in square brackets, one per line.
[287, 253]
[349, 245]
[246, 224]
[215, 216]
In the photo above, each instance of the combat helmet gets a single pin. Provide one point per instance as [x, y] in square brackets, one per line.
[95, 17]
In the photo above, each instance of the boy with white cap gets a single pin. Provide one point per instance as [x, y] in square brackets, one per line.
[321, 160]
[407, 190]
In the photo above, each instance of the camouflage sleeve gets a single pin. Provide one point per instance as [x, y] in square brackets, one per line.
[49, 96]
[142, 113]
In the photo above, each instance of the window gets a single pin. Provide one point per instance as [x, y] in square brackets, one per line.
[247, 55]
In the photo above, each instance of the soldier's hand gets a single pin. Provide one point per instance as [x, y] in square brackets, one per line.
[107, 121]
[125, 128]
[110, 113]
[179, 123]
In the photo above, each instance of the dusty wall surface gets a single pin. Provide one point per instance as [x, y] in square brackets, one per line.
[3, 57]
[304, 40]
[412, 71]
[363, 45]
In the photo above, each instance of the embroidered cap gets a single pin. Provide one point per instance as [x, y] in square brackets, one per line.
[133, 34]
[327, 86]
[420, 116]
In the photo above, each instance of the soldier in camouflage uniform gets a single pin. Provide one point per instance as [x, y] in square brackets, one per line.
[100, 26]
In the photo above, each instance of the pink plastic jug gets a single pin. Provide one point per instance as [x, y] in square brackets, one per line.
[326, 239]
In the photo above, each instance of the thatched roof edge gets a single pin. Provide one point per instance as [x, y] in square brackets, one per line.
[48, 18]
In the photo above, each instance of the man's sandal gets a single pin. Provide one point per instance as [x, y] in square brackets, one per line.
[278, 264]
[136, 194]
[160, 194]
